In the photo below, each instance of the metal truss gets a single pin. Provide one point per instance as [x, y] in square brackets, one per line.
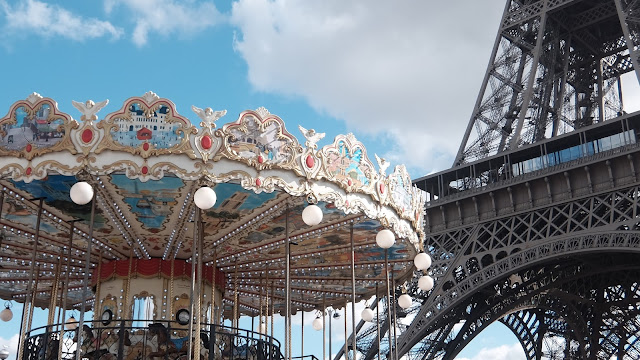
[553, 252]
[555, 67]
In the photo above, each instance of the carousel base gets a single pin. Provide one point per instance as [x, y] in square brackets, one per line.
[129, 340]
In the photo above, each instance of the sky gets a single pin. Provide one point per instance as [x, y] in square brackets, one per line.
[402, 76]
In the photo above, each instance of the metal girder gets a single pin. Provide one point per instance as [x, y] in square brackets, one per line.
[566, 50]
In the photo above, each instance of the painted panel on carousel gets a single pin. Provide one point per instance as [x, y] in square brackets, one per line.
[55, 191]
[346, 162]
[152, 201]
[35, 126]
[234, 204]
[148, 126]
[401, 189]
[259, 139]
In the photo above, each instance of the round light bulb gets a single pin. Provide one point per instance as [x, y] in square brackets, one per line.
[81, 193]
[367, 314]
[317, 324]
[422, 261]
[385, 238]
[4, 353]
[312, 215]
[404, 301]
[425, 283]
[71, 324]
[205, 198]
[6, 314]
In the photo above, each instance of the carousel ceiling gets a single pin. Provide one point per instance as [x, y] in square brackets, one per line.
[145, 161]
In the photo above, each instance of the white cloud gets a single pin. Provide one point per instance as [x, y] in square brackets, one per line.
[166, 17]
[410, 70]
[47, 20]
[12, 344]
[503, 352]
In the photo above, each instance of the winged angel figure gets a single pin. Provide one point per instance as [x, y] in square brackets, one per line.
[89, 109]
[383, 164]
[311, 135]
[208, 116]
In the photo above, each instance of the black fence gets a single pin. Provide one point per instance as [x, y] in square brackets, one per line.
[158, 340]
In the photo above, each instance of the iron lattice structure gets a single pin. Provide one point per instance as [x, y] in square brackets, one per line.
[555, 67]
[537, 224]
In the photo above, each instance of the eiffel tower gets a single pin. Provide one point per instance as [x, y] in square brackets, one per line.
[537, 224]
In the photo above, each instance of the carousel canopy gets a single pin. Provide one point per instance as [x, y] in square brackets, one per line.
[146, 161]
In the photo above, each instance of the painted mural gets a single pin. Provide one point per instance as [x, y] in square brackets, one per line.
[348, 164]
[146, 127]
[150, 201]
[32, 127]
[263, 142]
[55, 189]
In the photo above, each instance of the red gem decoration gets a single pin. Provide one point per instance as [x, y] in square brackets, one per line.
[87, 136]
[310, 161]
[206, 142]
[145, 146]
[382, 188]
[145, 170]
[28, 171]
[260, 159]
[258, 182]
[28, 148]
[349, 182]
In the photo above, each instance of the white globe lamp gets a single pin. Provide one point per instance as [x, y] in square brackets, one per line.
[425, 283]
[81, 193]
[385, 238]
[4, 352]
[367, 314]
[6, 314]
[317, 324]
[312, 215]
[404, 301]
[262, 328]
[422, 261]
[205, 198]
[71, 324]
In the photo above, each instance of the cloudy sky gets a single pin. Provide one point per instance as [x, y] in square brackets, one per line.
[401, 75]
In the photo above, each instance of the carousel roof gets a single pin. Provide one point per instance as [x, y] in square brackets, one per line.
[145, 162]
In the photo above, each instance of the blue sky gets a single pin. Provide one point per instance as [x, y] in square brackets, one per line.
[397, 74]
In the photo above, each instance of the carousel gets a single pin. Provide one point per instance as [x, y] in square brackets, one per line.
[140, 233]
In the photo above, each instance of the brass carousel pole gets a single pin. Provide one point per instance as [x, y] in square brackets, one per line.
[353, 293]
[287, 311]
[302, 334]
[195, 286]
[27, 302]
[346, 338]
[324, 336]
[386, 271]
[378, 318]
[65, 289]
[85, 280]
[395, 317]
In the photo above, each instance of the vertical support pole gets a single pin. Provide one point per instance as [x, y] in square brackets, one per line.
[389, 320]
[353, 292]
[346, 338]
[324, 331]
[330, 332]
[395, 317]
[65, 289]
[85, 280]
[236, 306]
[198, 295]
[213, 288]
[193, 290]
[287, 300]
[27, 303]
[378, 319]
[302, 333]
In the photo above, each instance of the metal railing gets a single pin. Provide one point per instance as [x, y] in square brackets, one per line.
[159, 340]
